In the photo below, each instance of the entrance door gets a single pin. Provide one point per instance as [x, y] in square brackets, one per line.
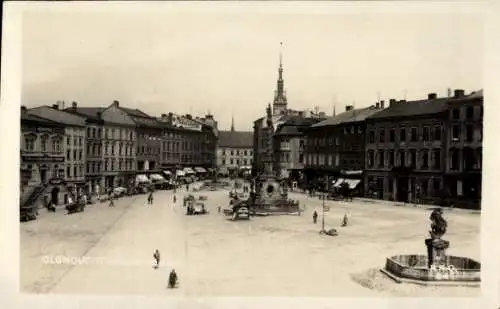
[43, 175]
[54, 196]
[402, 189]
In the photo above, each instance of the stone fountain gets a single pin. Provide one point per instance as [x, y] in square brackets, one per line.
[435, 268]
[269, 194]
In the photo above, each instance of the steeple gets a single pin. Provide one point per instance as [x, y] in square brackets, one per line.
[232, 123]
[280, 101]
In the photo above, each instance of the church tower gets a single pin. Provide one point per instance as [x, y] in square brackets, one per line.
[280, 102]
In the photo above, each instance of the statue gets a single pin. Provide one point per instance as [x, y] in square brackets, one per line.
[438, 224]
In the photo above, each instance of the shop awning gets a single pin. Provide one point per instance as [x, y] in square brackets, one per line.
[141, 178]
[353, 183]
[188, 170]
[156, 177]
[180, 173]
[200, 169]
[167, 172]
[338, 182]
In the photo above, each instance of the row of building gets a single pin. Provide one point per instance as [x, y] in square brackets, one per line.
[98, 148]
[426, 151]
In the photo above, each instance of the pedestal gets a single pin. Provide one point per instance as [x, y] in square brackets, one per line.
[436, 251]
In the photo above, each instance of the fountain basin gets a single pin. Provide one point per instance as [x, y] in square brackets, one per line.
[413, 269]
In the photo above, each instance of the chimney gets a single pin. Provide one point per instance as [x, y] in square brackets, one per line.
[209, 116]
[163, 115]
[402, 101]
[432, 96]
[116, 103]
[392, 102]
[301, 113]
[74, 105]
[348, 108]
[23, 108]
[55, 106]
[382, 104]
[188, 116]
[377, 105]
[459, 93]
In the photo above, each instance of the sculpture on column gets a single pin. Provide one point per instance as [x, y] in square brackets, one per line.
[436, 247]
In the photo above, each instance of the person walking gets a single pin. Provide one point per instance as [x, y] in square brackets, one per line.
[111, 201]
[315, 217]
[156, 257]
[172, 279]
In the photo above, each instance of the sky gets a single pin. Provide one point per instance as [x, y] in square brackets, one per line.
[224, 59]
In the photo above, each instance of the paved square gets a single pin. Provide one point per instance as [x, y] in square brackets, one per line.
[271, 256]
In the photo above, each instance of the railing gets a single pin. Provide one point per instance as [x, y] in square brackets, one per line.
[37, 192]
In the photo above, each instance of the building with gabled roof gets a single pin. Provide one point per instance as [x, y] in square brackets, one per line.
[234, 151]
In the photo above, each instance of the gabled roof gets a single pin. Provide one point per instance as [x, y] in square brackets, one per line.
[25, 116]
[295, 125]
[354, 115]
[235, 139]
[57, 115]
[413, 108]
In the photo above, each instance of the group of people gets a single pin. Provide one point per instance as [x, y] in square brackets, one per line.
[344, 222]
[172, 278]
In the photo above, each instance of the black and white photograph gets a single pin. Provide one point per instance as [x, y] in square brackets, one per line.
[265, 150]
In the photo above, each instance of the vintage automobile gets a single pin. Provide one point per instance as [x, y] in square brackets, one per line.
[197, 208]
[240, 210]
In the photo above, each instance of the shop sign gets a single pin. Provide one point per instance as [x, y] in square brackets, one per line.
[42, 158]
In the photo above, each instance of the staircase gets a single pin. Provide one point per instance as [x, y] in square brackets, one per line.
[33, 197]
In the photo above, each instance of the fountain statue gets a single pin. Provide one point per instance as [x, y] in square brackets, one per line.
[436, 267]
[436, 247]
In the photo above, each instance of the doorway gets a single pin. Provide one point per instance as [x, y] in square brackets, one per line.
[402, 189]
[43, 175]
[54, 196]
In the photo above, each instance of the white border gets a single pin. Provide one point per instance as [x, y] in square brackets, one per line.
[9, 156]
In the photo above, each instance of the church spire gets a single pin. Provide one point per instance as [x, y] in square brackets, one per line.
[280, 101]
[232, 123]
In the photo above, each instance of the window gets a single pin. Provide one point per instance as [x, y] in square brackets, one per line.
[29, 143]
[381, 135]
[89, 132]
[402, 135]
[469, 133]
[68, 154]
[455, 113]
[425, 159]
[413, 158]
[392, 135]
[454, 160]
[80, 156]
[437, 133]
[381, 159]
[469, 112]
[436, 184]
[75, 141]
[371, 137]
[425, 134]
[74, 155]
[337, 159]
[75, 171]
[424, 187]
[68, 141]
[402, 159]
[68, 172]
[231, 161]
[455, 133]
[370, 158]
[391, 158]
[414, 134]
[43, 143]
[360, 130]
[436, 158]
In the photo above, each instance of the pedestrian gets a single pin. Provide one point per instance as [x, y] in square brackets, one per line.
[175, 199]
[219, 209]
[111, 201]
[345, 220]
[315, 217]
[156, 257]
[172, 279]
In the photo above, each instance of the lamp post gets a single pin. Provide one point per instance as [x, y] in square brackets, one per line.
[323, 215]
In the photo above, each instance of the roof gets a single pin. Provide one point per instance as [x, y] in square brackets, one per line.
[235, 139]
[476, 94]
[354, 115]
[57, 115]
[27, 117]
[413, 108]
[294, 125]
[150, 122]
[89, 112]
[135, 112]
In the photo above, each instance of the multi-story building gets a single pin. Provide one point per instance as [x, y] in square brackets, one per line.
[119, 142]
[74, 145]
[289, 141]
[464, 151]
[94, 144]
[42, 161]
[405, 150]
[335, 148]
[235, 150]
[187, 142]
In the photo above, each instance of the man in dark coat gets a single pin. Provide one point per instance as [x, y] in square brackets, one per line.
[315, 217]
[172, 279]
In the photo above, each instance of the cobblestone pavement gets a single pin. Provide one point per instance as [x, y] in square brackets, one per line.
[267, 256]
